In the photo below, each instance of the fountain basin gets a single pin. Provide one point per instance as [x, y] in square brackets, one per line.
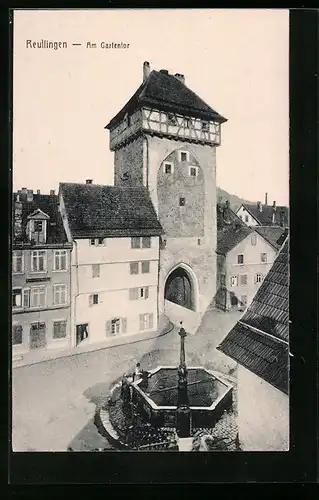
[156, 400]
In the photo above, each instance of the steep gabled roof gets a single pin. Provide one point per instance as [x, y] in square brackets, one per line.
[165, 92]
[229, 237]
[272, 234]
[260, 340]
[109, 211]
[264, 218]
[48, 205]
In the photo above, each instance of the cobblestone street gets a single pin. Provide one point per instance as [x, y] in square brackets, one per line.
[54, 402]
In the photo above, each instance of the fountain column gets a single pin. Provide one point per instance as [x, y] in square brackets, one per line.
[183, 414]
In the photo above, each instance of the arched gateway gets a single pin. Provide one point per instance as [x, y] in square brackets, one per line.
[179, 288]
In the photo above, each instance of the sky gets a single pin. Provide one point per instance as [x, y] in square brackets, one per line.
[235, 60]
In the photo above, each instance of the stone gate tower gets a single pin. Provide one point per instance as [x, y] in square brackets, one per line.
[165, 138]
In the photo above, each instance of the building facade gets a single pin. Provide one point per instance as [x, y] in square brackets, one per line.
[244, 257]
[259, 343]
[114, 267]
[165, 139]
[41, 257]
[257, 214]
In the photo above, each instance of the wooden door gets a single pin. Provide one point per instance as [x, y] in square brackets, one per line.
[37, 335]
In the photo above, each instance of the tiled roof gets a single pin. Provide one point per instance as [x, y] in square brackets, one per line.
[101, 211]
[231, 230]
[259, 341]
[273, 234]
[265, 216]
[263, 356]
[165, 92]
[48, 203]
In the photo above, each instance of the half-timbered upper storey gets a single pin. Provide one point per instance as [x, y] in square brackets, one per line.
[164, 106]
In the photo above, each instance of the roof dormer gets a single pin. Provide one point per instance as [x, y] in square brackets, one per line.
[37, 226]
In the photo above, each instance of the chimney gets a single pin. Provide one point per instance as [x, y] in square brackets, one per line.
[259, 206]
[38, 191]
[146, 70]
[52, 192]
[180, 77]
[164, 71]
[88, 181]
[274, 205]
[24, 190]
[29, 195]
[266, 198]
[227, 203]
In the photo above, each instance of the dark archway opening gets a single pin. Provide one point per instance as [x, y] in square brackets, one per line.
[179, 289]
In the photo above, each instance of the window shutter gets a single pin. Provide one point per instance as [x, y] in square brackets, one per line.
[90, 300]
[108, 327]
[255, 278]
[146, 292]
[133, 293]
[141, 321]
[124, 324]
[26, 298]
[150, 320]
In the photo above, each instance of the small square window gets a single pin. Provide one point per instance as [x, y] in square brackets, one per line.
[258, 278]
[38, 226]
[172, 120]
[17, 297]
[205, 126]
[146, 242]
[182, 202]
[193, 171]
[246, 218]
[145, 266]
[92, 242]
[254, 239]
[243, 279]
[198, 241]
[95, 298]
[183, 156]
[240, 259]
[101, 241]
[168, 168]
[134, 267]
[135, 242]
[233, 281]
[188, 122]
[59, 329]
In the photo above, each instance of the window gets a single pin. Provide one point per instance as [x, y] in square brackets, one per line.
[258, 278]
[116, 326]
[234, 281]
[95, 270]
[37, 296]
[198, 241]
[146, 242]
[134, 267]
[93, 299]
[254, 239]
[26, 297]
[38, 261]
[59, 329]
[188, 122]
[97, 241]
[263, 258]
[168, 168]
[171, 119]
[37, 226]
[59, 295]
[193, 171]
[17, 334]
[139, 293]
[182, 202]
[240, 259]
[60, 260]
[205, 126]
[17, 262]
[145, 266]
[135, 242]
[183, 155]
[246, 218]
[146, 321]
[17, 297]
[223, 279]
[243, 279]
